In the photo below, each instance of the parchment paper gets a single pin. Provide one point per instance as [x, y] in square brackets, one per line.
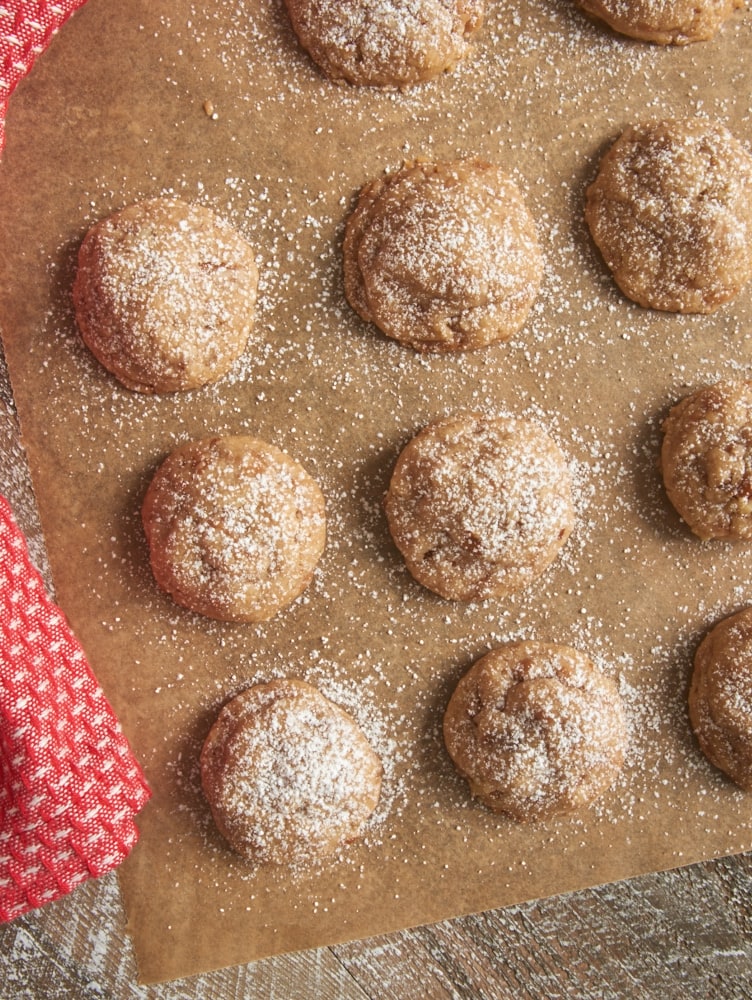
[115, 110]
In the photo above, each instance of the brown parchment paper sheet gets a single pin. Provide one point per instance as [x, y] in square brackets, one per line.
[115, 111]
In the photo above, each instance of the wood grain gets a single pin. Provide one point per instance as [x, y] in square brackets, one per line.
[679, 934]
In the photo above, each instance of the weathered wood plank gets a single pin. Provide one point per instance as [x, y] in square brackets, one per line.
[678, 934]
[78, 949]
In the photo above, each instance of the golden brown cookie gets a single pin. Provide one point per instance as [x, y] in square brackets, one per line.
[671, 211]
[164, 295]
[235, 527]
[706, 460]
[720, 697]
[386, 43]
[665, 22]
[443, 256]
[536, 730]
[289, 775]
[480, 506]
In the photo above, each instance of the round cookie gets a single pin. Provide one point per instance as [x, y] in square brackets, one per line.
[720, 697]
[443, 256]
[671, 211]
[665, 22]
[288, 774]
[479, 506]
[164, 295]
[706, 460]
[386, 43]
[235, 528]
[536, 730]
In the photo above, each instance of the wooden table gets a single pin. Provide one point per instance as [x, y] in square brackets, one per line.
[685, 933]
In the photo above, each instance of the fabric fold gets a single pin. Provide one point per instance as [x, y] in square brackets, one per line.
[26, 29]
[70, 787]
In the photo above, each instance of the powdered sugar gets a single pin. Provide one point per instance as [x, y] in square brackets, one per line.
[630, 588]
[384, 43]
[235, 527]
[288, 774]
[479, 507]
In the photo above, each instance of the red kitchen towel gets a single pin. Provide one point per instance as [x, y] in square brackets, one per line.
[69, 784]
[26, 29]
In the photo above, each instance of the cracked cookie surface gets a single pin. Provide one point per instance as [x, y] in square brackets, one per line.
[480, 506]
[165, 294]
[536, 729]
[443, 256]
[235, 527]
[671, 212]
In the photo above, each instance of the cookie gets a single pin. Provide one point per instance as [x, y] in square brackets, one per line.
[386, 43]
[288, 774]
[443, 256]
[720, 697]
[480, 506]
[671, 212]
[536, 730]
[235, 528]
[164, 295]
[706, 460]
[665, 22]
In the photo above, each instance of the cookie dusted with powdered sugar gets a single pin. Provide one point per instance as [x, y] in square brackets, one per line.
[671, 211]
[665, 22]
[235, 528]
[480, 506]
[165, 294]
[386, 43]
[720, 697]
[443, 256]
[536, 729]
[706, 460]
[288, 774]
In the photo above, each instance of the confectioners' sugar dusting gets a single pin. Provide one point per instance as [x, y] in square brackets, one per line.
[444, 256]
[670, 209]
[235, 527]
[386, 43]
[324, 386]
[480, 507]
[289, 775]
[735, 698]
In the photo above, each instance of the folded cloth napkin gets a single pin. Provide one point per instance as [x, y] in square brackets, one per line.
[26, 29]
[69, 784]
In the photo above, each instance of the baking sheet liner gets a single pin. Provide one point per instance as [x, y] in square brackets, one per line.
[117, 110]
